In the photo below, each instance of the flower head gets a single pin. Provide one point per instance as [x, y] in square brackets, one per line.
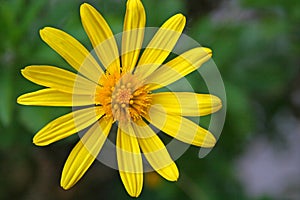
[120, 89]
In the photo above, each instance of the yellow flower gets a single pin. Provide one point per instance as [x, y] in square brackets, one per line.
[121, 92]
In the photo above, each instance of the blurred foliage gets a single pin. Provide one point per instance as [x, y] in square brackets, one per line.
[256, 47]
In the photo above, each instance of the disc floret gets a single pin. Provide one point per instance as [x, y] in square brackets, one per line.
[124, 97]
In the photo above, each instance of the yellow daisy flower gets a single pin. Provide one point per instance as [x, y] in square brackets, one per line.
[118, 88]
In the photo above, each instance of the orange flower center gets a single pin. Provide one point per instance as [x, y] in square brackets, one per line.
[124, 97]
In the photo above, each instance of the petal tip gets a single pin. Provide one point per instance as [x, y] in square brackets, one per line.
[64, 185]
[39, 142]
[26, 72]
[181, 16]
[43, 30]
[173, 178]
[136, 193]
[43, 33]
[36, 141]
[84, 6]
[23, 70]
[132, 3]
[217, 101]
[208, 51]
[210, 141]
[207, 140]
[47, 31]
[175, 174]
[64, 181]
[19, 99]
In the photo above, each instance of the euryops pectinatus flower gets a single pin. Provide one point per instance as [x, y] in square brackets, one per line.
[117, 87]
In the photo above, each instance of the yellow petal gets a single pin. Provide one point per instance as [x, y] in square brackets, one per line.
[53, 97]
[59, 79]
[101, 37]
[187, 103]
[133, 34]
[84, 153]
[179, 67]
[156, 152]
[129, 162]
[67, 125]
[161, 45]
[73, 52]
[180, 128]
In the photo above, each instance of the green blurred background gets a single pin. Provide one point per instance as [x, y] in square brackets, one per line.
[256, 45]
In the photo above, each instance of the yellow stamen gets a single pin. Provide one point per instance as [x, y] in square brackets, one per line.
[123, 97]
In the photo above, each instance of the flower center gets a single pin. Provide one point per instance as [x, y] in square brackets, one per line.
[124, 97]
[121, 96]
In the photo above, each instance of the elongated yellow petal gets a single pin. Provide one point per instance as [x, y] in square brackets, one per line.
[133, 34]
[156, 152]
[179, 67]
[180, 128]
[187, 103]
[129, 162]
[53, 97]
[59, 79]
[67, 125]
[161, 45]
[101, 37]
[73, 52]
[84, 153]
